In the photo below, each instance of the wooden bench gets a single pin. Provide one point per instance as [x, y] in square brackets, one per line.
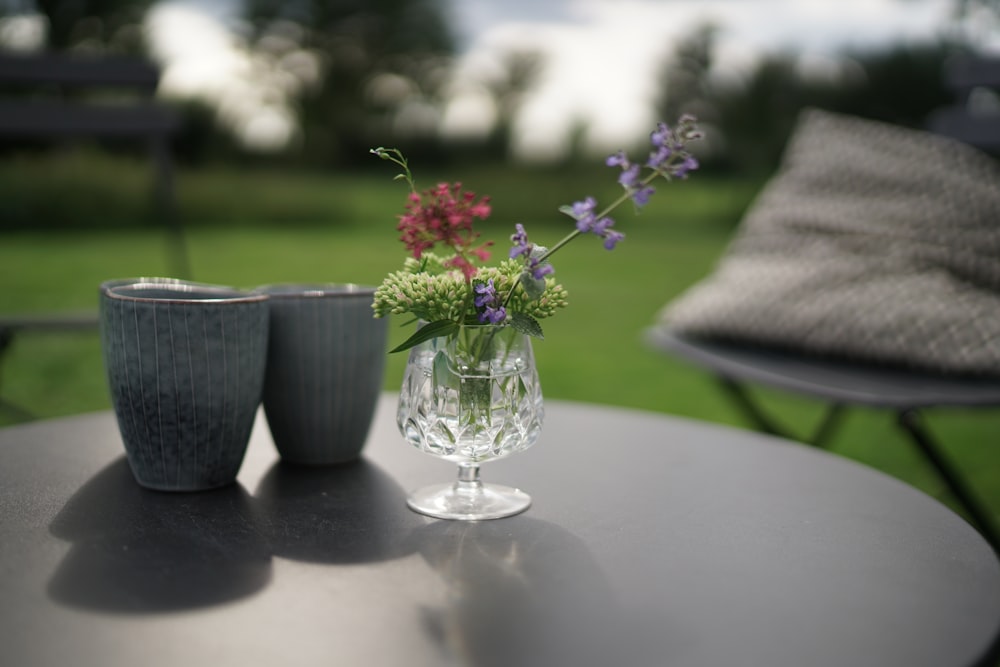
[61, 97]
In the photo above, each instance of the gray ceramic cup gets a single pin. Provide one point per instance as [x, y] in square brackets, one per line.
[185, 367]
[325, 364]
[105, 288]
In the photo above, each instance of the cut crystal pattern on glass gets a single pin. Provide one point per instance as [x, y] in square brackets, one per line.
[470, 398]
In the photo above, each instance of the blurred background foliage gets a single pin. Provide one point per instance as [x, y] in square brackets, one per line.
[289, 192]
[350, 74]
[375, 59]
[97, 25]
[752, 118]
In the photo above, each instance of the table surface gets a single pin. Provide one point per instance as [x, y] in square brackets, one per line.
[652, 540]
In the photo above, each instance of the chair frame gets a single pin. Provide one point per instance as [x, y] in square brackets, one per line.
[842, 385]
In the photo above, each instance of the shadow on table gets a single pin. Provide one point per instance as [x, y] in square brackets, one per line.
[141, 551]
[522, 592]
[348, 513]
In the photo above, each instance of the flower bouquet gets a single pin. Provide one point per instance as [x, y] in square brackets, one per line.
[471, 392]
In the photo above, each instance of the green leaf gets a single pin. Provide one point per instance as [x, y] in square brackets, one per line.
[526, 324]
[426, 332]
[440, 369]
[533, 287]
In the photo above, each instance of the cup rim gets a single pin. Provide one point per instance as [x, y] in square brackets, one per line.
[161, 281]
[315, 290]
[224, 294]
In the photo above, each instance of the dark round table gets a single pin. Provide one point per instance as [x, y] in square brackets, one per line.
[652, 541]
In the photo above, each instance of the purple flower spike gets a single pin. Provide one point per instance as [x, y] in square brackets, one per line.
[661, 136]
[618, 159]
[493, 315]
[603, 225]
[519, 250]
[611, 238]
[658, 157]
[520, 240]
[488, 299]
[630, 177]
[689, 164]
[585, 207]
[583, 212]
[687, 128]
[485, 294]
[642, 195]
[520, 236]
[539, 271]
[538, 266]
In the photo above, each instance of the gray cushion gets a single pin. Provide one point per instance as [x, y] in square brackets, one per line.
[872, 242]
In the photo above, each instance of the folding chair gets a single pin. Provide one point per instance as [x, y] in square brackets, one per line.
[843, 346]
[842, 385]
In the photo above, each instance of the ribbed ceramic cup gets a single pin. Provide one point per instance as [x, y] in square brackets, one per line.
[325, 363]
[185, 366]
[173, 283]
[151, 280]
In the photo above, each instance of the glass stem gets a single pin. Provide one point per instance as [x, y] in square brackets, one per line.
[468, 480]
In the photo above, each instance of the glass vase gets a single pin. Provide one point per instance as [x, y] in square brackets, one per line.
[468, 398]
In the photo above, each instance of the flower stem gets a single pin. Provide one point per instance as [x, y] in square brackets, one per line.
[566, 239]
[395, 155]
[622, 198]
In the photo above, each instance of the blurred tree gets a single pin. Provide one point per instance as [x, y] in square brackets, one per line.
[520, 70]
[751, 115]
[901, 84]
[111, 26]
[382, 68]
[687, 88]
[976, 21]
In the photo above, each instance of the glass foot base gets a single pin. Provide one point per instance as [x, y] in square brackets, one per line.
[457, 501]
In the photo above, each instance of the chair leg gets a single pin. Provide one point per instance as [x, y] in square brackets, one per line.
[16, 411]
[750, 410]
[19, 413]
[766, 424]
[909, 421]
[829, 424]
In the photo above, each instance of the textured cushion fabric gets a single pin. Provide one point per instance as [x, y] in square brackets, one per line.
[872, 242]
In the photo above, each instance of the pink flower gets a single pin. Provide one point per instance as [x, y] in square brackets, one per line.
[445, 215]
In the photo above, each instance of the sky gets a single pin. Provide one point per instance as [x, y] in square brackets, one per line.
[598, 56]
[601, 53]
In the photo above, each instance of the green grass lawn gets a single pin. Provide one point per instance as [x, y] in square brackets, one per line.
[77, 227]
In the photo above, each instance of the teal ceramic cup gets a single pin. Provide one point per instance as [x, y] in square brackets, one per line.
[325, 364]
[185, 368]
